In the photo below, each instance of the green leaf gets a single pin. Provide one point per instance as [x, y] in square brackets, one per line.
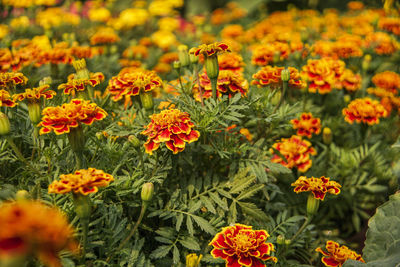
[208, 204]
[189, 243]
[204, 225]
[195, 207]
[252, 210]
[179, 219]
[160, 252]
[277, 168]
[175, 255]
[218, 200]
[189, 225]
[250, 192]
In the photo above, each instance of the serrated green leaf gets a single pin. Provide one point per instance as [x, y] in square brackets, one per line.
[163, 240]
[208, 204]
[218, 200]
[166, 232]
[252, 210]
[189, 225]
[250, 191]
[195, 207]
[179, 219]
[175, 255]
[204, 225]
[189, 243]
[160, 252]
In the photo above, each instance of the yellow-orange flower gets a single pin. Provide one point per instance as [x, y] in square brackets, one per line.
[210, 49]
[232, 61]
[240, 245]
[317, 186]
[264, 54]
[388, 80]
[61, 119]
[104, 36]
[382, 43]
[390, 24]
[10, 79]
[296, 152]
[133, 83]
[73, 85]
[34, 94]
[5, 99]
[172, 127]
[355, 5]
[271, 76]
[229, 83]
[32, 228]
[81, 182]
[350, 81]
[336, 255]
[307, 125]
[364, 110]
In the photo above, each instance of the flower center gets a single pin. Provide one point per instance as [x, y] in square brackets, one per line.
[243, 242]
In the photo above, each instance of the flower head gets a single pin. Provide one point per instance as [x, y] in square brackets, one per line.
[34, 94]
[81, 182]
[307, 125]
[266, 54]
[32, 228]
[75, 84]
[229, 83]
[295, 151]
[5, 99]
[9, 79]
[240, 245]
[336, 255]
[364, 110]
[132, 83]
[271, 76]
[210, 49]
[104, 36]
[171, 126]
[318, 186]
[61, 119]
[387, 80]
[350, 81]
[232, 61]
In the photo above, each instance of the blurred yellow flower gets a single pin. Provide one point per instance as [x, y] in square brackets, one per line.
[101, 14]
[164, 39]
[20, 22]
[3, 30]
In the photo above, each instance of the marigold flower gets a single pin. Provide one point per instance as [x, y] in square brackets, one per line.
[296, 152]
[364, 110]
[318, 186]
[5, 99]
[60, 53]
[232, 61]
[240, 245]
[382, 43]
[264, 54]
[171, 126]
[229, 83]
[389, 24]
[163, 39]
[133, 83]
[101, 14]
[61, 119]
[336, 255]
[350, 81]
[104, 36]
[81, 182]
[388, 80]
[271, 76]
[11, 79]
[32, 228]
[307, 125]
[210, 49]
[34, 94]
[74, 84]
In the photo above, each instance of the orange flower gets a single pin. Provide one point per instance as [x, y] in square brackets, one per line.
[318, 186]
[264, 54]
[61, 119]
[132, 83]
[104, 36]
[233, 31]
[11, 79]
[171, 126]
[388, 80]
[232, 61]
[364, 110]
[307, 125]
[390, 24]
[355, 5]
[5, 99]
[73, 85]
[8, 61]
[81, 182]
[137, 51]
[34, 94]
[295, 151]
[210, 49]
[240, 245]
[229, 83]
[350, 81]
[271, 76]
[32, 228]
[337, 255]
[382, 43]
[60, 53]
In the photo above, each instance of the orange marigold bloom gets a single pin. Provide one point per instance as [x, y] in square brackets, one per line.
[232, 61]
[233, 31]
[355, 5]
[380, 92]
[318, 186]
[296, 152]
[350, 81]
[74, 84]
[210, 49]
[11, 79]
[61, 119]
[171, 126]
[104, 36]
[81, 182]
[390, 24]
[382, 43]
[240, 245]
[32, 228]
[8, 61]
[364, 110]
[132, 83]
[307, 125]
[271, 76]
[388, 80]
[336, 255]
[229, 83]
[5, 99]
[34, 94]
[60, 53]
[264, 54]
[136, 51]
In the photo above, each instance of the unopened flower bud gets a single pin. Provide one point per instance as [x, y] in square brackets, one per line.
[192, 260]
[280, 240]
[176, 65]
[275, 99]
[81, 71]
[193, 59]
[22, 195]
[285, 75]
[365, 64]
[34, 112]
[277, 57]
[4, 124]
[183, 55]
[82, 205]
[212, 68]
[327, 135]
[147, 100]
[134, 141]
[45, 81]
[99, 135]
[147, 192]
[312, 205]
[347, 98]
[288, 242]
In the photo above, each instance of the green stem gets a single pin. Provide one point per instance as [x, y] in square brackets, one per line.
[284, 89]
[301, 229]
[141, 158]
[196, 76]
[85, 232]
[214, 88]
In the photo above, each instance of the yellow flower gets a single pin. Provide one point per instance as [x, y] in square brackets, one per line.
[20, 22]
[364, 110]
[163, 39]
[192, 260]
[318, 186]
[168, 24]
[101, 14]
[3, 31]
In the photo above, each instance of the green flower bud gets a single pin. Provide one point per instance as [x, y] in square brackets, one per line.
[22, 195]
[327, 135]
[34, 112]
[285, 75]
[147, 192]
[134, 141]
[312, 205]
[45, 80]
[347, 98]
[147, 100]
[280, 240]
[183, 55]
[288, 242]
[176, 65]
[83, 206]
[365, 64]
[193, 59]
[4, 124]
[192, 260]
[212, 68]
[275, 99]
